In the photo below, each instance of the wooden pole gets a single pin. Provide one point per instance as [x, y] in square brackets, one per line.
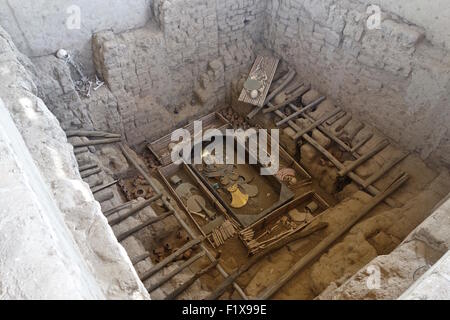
[87, 174]
[330, 239]
[106, 186]
[316, 124]
[140, 258]
[297, 94]
[355, 164]
[386, 168]
[299, 112]
[141, 226]
[170, 258]
[139, 207]
[87, 167]
[86, 133]
[95, 142]
[190, 282]
[176, 271]
[256, 258]
[118, 208]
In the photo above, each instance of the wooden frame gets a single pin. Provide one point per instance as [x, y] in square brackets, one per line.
[166, 172]
[285, 194]
[160, 147]
[264, 223]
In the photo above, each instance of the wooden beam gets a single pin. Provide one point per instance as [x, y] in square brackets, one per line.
[87, 174]
[87, 133]
[371, 189]
[384, 169]
[106, 186]
[176, 271]
[143, 225]
[120, 207]
[294, 96]
[355, 164]
[171, 258]
[256, 258]
[317, 123]
[330, 239]
[133, 211]
[298, 112]
[95, 142]
[140, 258]
[87, 167]
[190, 282]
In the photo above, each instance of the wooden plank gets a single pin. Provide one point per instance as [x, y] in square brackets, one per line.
[289, 99]
[133, 211]
[143, 225]
[176, 271]
[313, 126]
[106, 186]
[172, 257]
[355, 164]
[95, 142]
[386, 168]
[191, 281]
[298, 113]
[269, 66]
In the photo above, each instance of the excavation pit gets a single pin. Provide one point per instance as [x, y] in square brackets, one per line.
[90, 193]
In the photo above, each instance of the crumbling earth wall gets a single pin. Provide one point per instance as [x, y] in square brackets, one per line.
[396, 77]
[55, 242]
[42, 27]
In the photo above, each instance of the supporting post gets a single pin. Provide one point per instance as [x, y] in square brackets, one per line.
[386, 168]
[87, 167]
[355, 164]
[316, 124]
[173, 273]
[190, 282]
[106, 186]
[141, 226]
[298, 113]
[86, 133]
[140, 258]
[297, 94]
[118, 208]
[330, 239]
[87, 174]
[371, 189]
[135, 210]
[95, 142]
[171, 258]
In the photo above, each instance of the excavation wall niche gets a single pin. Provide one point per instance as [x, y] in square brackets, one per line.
[40, 27]
[178, 67]
[396, 77]
[55, 242]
